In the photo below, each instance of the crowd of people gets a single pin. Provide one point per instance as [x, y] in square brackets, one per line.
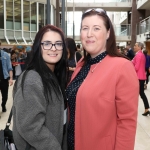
[73, 98]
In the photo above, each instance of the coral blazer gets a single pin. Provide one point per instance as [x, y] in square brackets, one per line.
[106, 106]
[139, 63]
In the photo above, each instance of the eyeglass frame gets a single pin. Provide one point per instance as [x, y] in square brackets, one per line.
[42, 43]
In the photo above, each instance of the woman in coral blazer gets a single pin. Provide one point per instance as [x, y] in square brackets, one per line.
[103, 92]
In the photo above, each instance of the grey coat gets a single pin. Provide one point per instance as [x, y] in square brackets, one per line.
[36, 122]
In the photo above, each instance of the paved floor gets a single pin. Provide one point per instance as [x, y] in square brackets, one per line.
[143, 127]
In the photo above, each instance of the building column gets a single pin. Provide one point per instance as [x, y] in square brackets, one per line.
[136, 17]
[57, 14]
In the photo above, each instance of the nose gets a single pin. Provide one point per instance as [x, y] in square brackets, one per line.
[53, 47]
[89, 33]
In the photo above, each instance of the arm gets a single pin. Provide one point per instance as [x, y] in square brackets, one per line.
[137, 61]
[31, 116]
[9, 68]
[11, 77]
[127, 92]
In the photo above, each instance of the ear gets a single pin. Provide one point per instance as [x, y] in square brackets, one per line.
[108, 33]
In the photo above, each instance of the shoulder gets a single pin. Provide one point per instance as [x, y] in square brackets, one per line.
[117, 60]
[32, 77]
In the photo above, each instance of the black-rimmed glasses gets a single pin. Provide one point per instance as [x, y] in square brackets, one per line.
[47, 45]
[99, 10]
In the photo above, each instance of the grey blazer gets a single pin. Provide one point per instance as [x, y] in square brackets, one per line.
[36, 122]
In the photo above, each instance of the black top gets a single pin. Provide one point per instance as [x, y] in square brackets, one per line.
[130, 54]
[1, 69]
[71, 92]
[72, 64]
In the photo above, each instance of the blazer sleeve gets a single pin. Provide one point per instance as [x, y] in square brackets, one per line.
[127, 92]
[31, 115]
[137, 61]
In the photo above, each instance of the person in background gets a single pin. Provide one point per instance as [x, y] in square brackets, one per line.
[6, 77]
[39, 114]
[147, 67]
[102, 100]
[130, 52]
[73, 56]
[118, 49]
[79, 49]
[139, 64]
[124, 51]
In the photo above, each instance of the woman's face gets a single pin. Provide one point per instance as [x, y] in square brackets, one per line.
[53, 55]
[94, 35]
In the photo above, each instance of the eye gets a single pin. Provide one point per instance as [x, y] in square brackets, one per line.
[59, 44]
[47, 43]
[84, 28]
[96, 29]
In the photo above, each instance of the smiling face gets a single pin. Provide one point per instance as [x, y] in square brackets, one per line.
[94, 35]
[51, 56]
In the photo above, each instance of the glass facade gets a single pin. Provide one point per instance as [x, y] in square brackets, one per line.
[33, 16]
[1, 15]
[26, 15]
[41, 16]
[17, 14]
[20, 20]
[9, 15]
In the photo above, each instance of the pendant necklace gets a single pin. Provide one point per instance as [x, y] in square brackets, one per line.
[95, 67]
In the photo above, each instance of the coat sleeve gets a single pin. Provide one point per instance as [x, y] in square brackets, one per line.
[127, 92]
[9, 65]
[137, 61]
[31, 115]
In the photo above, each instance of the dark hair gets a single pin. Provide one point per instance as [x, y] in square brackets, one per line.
[111, 48]
[0, 42]
[78, 46]
[71, 45]
[37, 63]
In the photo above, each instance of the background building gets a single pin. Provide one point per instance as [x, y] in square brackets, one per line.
[21, 19]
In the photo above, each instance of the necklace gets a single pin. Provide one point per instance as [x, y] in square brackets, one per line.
[95, 66]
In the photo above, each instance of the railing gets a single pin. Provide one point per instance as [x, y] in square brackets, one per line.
[120, 30]
[143, 26]
[97, 1]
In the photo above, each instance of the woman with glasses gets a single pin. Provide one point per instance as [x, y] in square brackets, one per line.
[103, 91]
[39, 99]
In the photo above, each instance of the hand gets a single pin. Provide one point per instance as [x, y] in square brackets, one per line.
[10, 82]
[71, 68]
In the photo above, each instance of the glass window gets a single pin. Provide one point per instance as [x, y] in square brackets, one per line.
[33, 17]
[9, 14]
[77, 23]
[1, 15]
[26, 15]
[17, 14]
[41, 15]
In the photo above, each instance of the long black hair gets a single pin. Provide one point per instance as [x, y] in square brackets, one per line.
[71, 45]
[51, 80]
[111, 41]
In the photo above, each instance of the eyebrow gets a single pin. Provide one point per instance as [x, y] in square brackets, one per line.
[93, 26]
[51, 41]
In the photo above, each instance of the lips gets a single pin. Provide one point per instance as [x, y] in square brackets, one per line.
[53, 55]
[88, 42]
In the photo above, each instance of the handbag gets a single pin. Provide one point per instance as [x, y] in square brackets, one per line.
[6, 137]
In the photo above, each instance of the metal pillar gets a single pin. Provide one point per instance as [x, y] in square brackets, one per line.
[63, 15]
[48, 10]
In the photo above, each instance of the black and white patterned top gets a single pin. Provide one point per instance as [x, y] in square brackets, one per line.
[71, 92]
